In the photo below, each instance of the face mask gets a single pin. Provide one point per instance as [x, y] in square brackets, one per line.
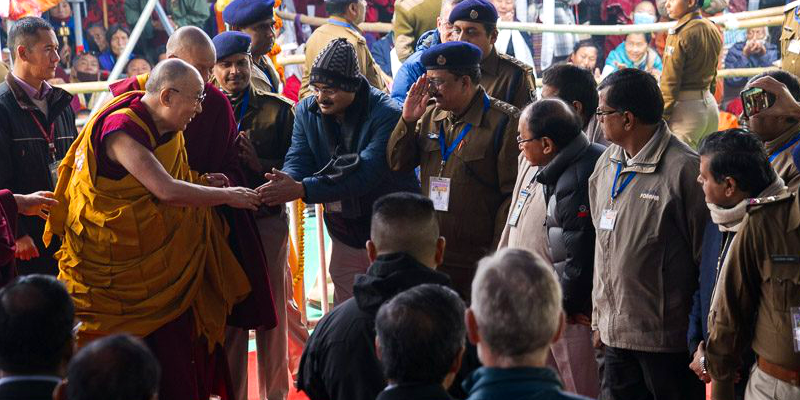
[643, 18]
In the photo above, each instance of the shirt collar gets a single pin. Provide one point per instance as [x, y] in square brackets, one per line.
[32, 92]
[685, 20]
[648, 158]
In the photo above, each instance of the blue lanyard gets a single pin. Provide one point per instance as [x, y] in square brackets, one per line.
[343, 24]
[774, 155]
[245, 102]
[796, 17]
[447, 151]
[615, 191]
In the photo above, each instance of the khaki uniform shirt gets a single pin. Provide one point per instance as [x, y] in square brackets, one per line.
[530, 232]
[508, 79]
[646, 268]
[482, 172]
[411, 19]
[690, 58]
[324, 35]
[263, 75]
[758, 287]
[783, 162]
[790, 39]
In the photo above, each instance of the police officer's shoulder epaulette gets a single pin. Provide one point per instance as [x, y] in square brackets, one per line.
[504, 107]
[407, 5]
[516, 62]
[791, 6]
[764, 202]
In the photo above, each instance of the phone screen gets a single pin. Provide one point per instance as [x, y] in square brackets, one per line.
[755, 100]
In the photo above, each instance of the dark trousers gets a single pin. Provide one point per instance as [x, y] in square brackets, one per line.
[639, 375]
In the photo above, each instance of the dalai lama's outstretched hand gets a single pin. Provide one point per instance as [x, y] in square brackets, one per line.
[280, 189]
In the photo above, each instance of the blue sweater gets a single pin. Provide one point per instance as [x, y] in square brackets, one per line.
[412, 68]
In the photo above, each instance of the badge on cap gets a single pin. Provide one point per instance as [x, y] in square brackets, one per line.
[473, 14]
[441, 60]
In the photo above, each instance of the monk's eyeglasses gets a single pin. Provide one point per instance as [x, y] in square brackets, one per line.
[199, 99]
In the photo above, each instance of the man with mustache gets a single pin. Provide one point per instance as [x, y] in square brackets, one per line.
[256, 19]
[37, 126]
[338, 157]
[264, 121]
[467, 152]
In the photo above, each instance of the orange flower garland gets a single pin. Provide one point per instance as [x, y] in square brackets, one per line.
[276, 48]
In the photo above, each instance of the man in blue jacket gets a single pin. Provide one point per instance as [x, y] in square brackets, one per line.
[412, 68]
[338, 157]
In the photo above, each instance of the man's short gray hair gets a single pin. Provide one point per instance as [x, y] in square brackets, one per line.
[516, 300]
[169, 73]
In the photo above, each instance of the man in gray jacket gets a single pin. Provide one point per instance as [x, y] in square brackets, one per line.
[649, 214]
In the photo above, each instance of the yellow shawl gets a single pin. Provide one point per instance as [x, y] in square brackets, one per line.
[131, 263]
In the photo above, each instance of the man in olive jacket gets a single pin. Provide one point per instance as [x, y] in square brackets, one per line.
[650, 214]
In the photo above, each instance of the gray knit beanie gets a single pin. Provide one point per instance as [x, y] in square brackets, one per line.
[337, 66]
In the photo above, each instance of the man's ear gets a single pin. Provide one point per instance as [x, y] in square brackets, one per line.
[578, 106]
[441, 243]
[473, 334]
[22, 53]
[493, 36]
[562, 322]
[372, 251]
[378, 348]
[164, 97]
[548, 146]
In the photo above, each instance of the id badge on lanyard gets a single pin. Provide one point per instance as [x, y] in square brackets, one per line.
[50, 138]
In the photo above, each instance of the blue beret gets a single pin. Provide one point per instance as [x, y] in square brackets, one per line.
[474, 11]
[231, 42]
[247, 12]
[452, 55]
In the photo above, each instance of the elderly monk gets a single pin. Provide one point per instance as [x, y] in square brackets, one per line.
[142, 250]
[212, 147]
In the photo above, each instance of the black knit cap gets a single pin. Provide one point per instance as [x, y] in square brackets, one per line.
[337, 66]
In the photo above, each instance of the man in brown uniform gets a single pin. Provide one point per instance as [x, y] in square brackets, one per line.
[504, 77]
[256, 19]
[790, 38]
[264, 122]
[758, 296]
[690, 68]
[757, 303]
[779, 132]
[343, 23]
[411, 19]
[466, 149]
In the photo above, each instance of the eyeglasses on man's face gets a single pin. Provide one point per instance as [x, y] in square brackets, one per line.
[325, 91]
[198, 100]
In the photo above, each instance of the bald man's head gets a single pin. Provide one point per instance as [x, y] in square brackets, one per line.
[191, 44]
[173, 73]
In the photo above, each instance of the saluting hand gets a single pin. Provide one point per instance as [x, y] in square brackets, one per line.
[416, 100]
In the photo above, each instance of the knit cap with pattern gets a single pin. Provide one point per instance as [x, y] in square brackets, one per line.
[337, 66]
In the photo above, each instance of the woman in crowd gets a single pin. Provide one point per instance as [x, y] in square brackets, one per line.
[117, 37]
[634, 52]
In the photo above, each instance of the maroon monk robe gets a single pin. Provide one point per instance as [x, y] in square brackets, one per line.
[8, 231]
[211, 147]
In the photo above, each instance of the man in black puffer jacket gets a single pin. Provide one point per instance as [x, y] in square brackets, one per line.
[339, 361]
[551, 139]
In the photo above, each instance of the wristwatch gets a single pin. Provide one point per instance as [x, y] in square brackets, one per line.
[703, 364]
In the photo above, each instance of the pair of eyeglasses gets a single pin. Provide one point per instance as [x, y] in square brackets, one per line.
[601, 113]
[327, 91]
[520, 140]
[199, 99]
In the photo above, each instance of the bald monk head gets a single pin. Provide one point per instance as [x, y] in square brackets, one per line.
[174, 93]
[191, 44]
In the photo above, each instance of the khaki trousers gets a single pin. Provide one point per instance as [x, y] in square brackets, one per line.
[574, 359]
[765, 387]
[346, 263]
[695, 115]
[274, 375]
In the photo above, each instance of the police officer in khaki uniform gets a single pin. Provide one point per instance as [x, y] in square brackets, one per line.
[345, 15]
[411, 19]
[256, 19]
[504, 77]
[465, 145]
[265, 124]
[690, 68]
[790, 38]
[757, 299]
[757, 304]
